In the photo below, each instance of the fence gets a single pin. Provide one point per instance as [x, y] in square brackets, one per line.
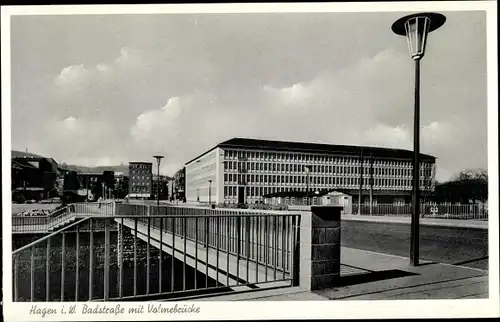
[446, 211]
[58, 217]
[76, 263]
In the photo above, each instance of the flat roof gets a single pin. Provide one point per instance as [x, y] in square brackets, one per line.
[288, 146]
[140, 162]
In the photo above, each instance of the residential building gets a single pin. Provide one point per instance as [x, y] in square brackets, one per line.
[245, 170]
[140, 180]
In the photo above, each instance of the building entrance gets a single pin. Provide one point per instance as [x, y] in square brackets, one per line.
[241, 195]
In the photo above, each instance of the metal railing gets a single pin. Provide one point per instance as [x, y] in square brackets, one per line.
[445, 211]
[60, 217]
[127, 257]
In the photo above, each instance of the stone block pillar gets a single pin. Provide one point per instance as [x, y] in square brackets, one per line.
[319, 247]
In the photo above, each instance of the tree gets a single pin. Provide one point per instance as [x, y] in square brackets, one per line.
[122, 188]
[467, 186]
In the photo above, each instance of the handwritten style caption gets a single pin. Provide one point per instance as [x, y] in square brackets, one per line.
[89, 309]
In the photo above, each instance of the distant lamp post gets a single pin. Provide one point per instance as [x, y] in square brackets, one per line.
[209, 193]
[158, 162]
[307, 185]
[416, 27]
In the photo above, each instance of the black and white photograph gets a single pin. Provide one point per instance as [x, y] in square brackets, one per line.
[165, 158]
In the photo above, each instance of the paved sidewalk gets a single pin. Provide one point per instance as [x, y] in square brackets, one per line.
[462, 223]
[392, 277]
[368, 275]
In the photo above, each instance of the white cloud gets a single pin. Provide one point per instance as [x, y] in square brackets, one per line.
[149, 123]
[75, 75]
[78, 77]
[388, 136]
[111, 100]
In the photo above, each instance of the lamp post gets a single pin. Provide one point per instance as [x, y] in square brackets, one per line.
[307, 186]
[416, 27]
[360, 193]
[158, 161]
[224, 167]
[209, 193]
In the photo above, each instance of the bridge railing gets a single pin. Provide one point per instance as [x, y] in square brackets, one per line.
[89, 260]
[35, 223]
[104, 208]
[28, 224]
[44, 223]
[253, 235]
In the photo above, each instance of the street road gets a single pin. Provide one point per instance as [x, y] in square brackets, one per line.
[463, 246]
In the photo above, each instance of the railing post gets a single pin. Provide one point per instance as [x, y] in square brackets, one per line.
[206, 228]
[295, 260]
[91, 259]
[106, 259]
[238, 237]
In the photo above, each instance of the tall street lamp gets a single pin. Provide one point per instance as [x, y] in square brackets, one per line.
[416, 27]
[307, 184]
[209, 193]
[158, 161]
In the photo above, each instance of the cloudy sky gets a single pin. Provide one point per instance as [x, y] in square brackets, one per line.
[109, 89]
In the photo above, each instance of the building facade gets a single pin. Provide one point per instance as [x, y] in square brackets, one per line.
[140, 180]
[163, 187]
[179, 184]
[33, 177]
[245, 170]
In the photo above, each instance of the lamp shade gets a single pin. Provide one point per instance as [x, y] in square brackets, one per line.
[158, 158]
[416, 27]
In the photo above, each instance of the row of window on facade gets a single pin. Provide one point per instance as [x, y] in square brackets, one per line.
[252, 191]
[140, 177]
[308, 157]
[315, 180]
[140, 189]
[141, 184]
[302, 168]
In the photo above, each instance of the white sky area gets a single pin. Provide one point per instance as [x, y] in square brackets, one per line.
[109, 89]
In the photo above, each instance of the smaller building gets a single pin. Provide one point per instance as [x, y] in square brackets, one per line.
[96, 185]
[179, 184]
[313, 198]
[163, 191]
[33, 177]
[140, 180]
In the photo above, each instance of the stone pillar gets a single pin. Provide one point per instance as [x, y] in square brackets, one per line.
[319, 247]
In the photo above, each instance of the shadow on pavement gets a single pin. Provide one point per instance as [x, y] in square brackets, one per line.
[472, 260]
[372, 277]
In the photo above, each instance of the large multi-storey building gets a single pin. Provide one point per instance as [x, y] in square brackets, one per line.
[244, 170]
[140, 180]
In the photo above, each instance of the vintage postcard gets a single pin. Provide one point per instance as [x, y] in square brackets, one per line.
[250, 161]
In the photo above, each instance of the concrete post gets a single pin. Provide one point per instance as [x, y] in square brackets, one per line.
[319, 247]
